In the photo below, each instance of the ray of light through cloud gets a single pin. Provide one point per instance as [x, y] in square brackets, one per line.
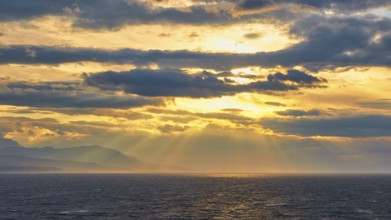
[216, 86]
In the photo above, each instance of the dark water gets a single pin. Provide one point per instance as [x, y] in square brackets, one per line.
[81, 196]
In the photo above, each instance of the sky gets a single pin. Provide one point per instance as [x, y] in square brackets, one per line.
[210, 85]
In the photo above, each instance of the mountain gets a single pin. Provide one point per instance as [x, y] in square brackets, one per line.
[4, 142]
[12, 163]
[89, 154]
[14, 157]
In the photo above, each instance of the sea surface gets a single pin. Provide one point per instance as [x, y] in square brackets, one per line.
[220, 196]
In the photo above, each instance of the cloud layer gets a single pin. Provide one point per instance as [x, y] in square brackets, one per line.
[176, 83]
[62, 95]
[355, 126]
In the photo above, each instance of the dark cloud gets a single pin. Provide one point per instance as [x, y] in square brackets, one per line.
[254, 4]
[300, 113]
[116, 13]
[44, 86]
[355, 126]
[332, 42]
[295, 76]
[57, 55]
[63, 95]
[161, 83]
[275, 103]
[123, 13]
[12, 10]
[176, 83]
[329, 42]
[341, 6]
[275, 85]
[228, 74]
[252, 35]
[107, 13]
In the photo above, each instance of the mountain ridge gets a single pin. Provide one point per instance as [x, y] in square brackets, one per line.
[92, 158]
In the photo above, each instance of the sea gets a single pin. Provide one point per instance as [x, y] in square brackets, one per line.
[196, 196]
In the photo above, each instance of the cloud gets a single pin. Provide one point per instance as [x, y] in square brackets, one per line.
[25, 9]
[161, 83]
[300, 113]
[240, 75]
[231, 116]
[254, 4]
[30, 53]
[355, 126]
[108, 13]
[176, 83]
[339, 6]
[328, 43]
[172, 128]
[172, 59]
[332, 42]
[275, 103]
[66, 95]
[252, 35]
[29, 131]
[232, 110]
[114, 14]
[295, 76]
[114, 113]
[377, 104]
